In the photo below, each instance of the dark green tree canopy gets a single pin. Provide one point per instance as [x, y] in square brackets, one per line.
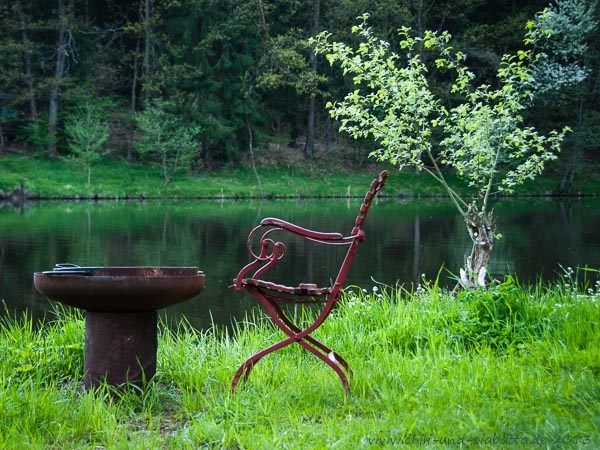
[242, 69]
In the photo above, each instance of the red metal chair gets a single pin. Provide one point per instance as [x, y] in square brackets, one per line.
[274, 296]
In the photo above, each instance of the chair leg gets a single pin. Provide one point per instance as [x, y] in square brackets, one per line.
[295, 334]
[244, 370]
[331, 359]
[324, 349]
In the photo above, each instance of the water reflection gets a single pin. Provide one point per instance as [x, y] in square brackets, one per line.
[405, 239]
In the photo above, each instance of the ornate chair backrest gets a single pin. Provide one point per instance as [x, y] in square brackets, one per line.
[376, 186]
[357, 233]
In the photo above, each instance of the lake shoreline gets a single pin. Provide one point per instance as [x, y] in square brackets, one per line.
[17, 200]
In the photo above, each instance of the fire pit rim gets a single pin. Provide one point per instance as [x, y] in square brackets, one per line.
[121, 288]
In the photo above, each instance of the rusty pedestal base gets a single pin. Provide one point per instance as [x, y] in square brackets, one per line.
[120, 348]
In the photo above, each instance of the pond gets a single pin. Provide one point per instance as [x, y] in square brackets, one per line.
[405, 240]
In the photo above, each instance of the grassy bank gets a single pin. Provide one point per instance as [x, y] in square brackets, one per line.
[119, 179]
[514, 364]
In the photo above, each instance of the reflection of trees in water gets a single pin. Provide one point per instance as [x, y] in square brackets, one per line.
[416, 249]
[416, 243]
[571, 224]
[561, 232]
[404, 239]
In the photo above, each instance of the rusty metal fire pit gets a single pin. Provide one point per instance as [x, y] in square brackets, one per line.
[121, 305]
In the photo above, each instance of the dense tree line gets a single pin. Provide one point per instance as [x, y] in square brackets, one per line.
[241, 73]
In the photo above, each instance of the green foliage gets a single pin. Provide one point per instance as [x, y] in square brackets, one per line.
[483, 138]
[166, 139]
[36, 134]
[565, 28]
[565, 70]
[502, 318]
[226, 64]
[208, 68]
[87, 132]
[285, 65]
[52, 352]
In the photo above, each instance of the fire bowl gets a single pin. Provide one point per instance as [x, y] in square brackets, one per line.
[120, 289]
[121, 305]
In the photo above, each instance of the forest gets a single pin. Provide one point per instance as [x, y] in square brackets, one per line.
[210, 80]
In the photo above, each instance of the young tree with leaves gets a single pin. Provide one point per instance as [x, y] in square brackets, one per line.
[483, 137]
[87, 132]
[164, 138]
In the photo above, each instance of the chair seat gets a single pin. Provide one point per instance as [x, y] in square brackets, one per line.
[307, 289]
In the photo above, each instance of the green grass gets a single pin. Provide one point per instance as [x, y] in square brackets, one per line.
[507, 363]
[117, 179]
[120, 179]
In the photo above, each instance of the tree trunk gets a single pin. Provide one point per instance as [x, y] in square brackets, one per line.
[146, 64]
[27, 60]
[252, 161]
[567, 179]
[164, 164]
[64, 12]
[134, 83]
[310, 130]
[421, 9]
[309, 147]
[481, 231]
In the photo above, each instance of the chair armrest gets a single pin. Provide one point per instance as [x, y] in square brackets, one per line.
[301, 231]
[270, 251]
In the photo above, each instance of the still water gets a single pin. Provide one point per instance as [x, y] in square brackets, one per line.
[405, 240]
